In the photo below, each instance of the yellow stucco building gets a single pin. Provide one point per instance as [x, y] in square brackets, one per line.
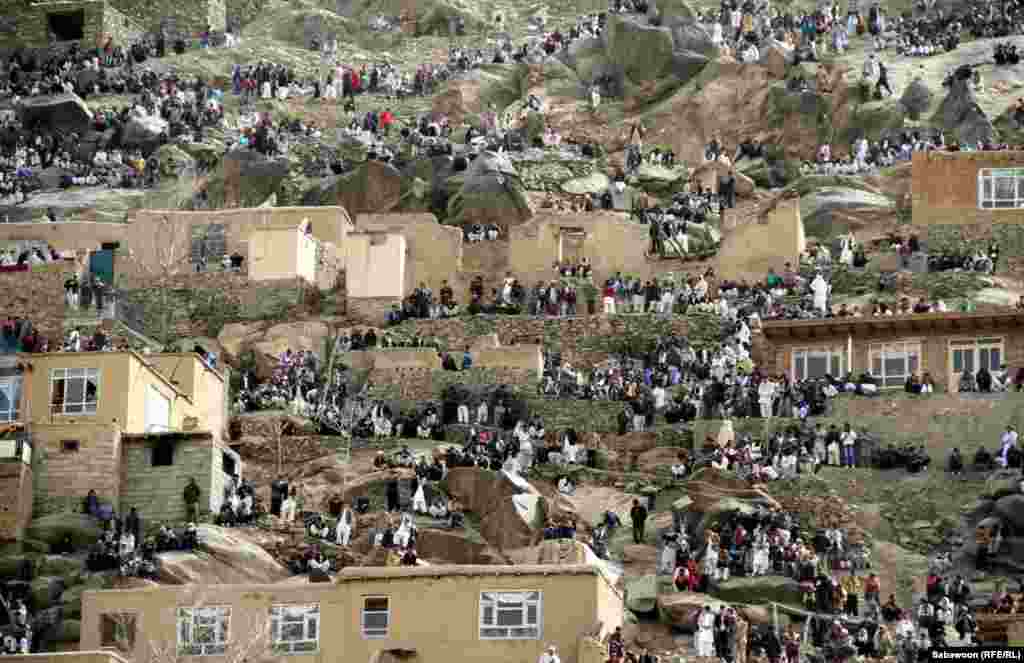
[124, 424]
[428, 614]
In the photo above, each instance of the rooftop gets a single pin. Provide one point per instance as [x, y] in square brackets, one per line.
[917, 322]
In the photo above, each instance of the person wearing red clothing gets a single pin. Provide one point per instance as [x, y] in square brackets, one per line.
[609, 298]
[386, 120]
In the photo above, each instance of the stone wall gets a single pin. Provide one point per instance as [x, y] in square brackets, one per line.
[236, 297]
[527, 358]
[945, 187]
[27, 25]
[419, 384]
[188, 18]
[63, 477]
[371, 311]
[572, 336]
[748, 251]
[158, 492]
[15, 499]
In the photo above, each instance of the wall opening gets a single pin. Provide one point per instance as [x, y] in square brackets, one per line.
[571, 245]
[69, 446]
[163, 453]
[67, 26]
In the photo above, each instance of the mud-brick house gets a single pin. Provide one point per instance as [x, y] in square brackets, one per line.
[892, 348]
[132, 427]
[420, 614]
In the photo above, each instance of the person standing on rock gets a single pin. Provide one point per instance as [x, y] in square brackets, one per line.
[638, 515]
[705, 640]
[345, 524]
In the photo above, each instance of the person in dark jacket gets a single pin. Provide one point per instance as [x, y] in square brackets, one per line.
[638, 515]
[392, 495]
[191, 496]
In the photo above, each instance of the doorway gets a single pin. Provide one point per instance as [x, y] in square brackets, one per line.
[969, 355]
[67, 26]
[571, 245]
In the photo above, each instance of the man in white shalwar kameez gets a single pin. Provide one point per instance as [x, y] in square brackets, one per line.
[345, 524]
[820, 289]
[705, 639]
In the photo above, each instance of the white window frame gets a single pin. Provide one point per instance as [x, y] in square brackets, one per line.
[831, 353]
[490, 610]
[989, 178]
[192, 618]
[375, 632]
[14, 385]
[307, 617]
[882, 350]
[83, 407]
[976, 345]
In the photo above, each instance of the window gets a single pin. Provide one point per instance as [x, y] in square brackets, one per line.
[163, 453]
[1000, 188]
[970, 356]
[69, 446]
[376, 616]
[203, 631]
[74, 390]
[893, 363]
[295, 628]
[10, 398]
[117, 631]
[510, 616]
[817, 363]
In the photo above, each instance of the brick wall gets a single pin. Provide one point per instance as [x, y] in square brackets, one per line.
[64, 478]
[15, 499]
[37, 295]
[158, 492]
[945, 187]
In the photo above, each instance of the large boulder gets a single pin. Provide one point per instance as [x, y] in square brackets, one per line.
[237, 337]
[672, 13]
[490, 495]
[46, 591]
[960, 114]
[680, 609]
[916, 99]
[491, 192]
[644, 51]
[173, 161]
[371, 188]
[642, 594]
[452, 547]
[309, 335]
[227, 557]
[56, 111]
[1002, 483]
[777, 58]
[693, 37]
[686, 65]
[1011, 509]
[593, 183]
[760, 590]
[84, 530]
[143, 130]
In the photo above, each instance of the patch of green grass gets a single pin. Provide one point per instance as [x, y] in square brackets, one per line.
[949, 286]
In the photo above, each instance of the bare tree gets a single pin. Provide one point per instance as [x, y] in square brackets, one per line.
[201, 627]
[162, 255]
